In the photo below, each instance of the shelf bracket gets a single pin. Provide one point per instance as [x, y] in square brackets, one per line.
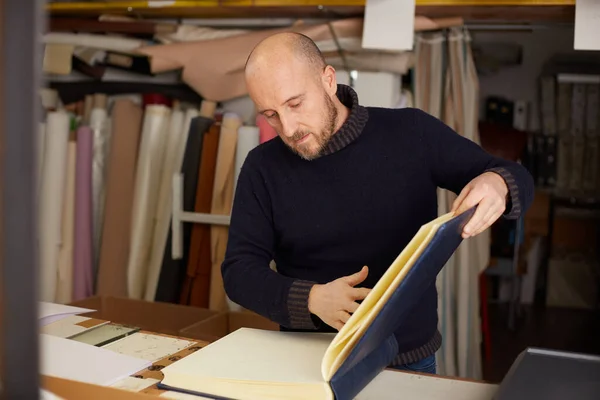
[180, 216]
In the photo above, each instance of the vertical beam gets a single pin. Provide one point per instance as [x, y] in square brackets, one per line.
[21, 25]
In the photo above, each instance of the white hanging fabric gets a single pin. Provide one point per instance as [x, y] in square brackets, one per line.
[446, 86]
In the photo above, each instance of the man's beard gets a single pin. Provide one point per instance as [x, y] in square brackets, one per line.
[323, 138]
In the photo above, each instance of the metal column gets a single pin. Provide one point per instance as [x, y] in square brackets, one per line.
[22, 22]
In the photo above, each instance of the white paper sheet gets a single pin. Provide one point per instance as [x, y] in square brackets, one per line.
[47, 395]
[68, 359]
[587, 20]
[51, 312]
[378, 89]
[389, 25]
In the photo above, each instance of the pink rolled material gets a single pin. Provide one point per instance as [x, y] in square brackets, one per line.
[267, 132]
[82, 255]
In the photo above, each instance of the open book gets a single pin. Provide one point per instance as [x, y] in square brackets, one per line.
[257, 364]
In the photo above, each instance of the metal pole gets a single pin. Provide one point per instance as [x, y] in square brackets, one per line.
[21, 28]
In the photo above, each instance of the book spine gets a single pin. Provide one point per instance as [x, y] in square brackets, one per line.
[348, 385]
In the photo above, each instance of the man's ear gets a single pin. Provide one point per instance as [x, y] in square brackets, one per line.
[329, 80]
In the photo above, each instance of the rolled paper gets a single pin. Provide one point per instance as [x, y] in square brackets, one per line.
[147, 183]
[120, 182]
[64, 284]
[162, 216]
[51, 200]
[101, 134]
[248, 138]
[82, 268]
[221, 204]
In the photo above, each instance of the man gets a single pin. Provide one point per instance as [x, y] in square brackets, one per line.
[340, 192]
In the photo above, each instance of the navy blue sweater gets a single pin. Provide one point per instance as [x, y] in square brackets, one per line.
[358, 204]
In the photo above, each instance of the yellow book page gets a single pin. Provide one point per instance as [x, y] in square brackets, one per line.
[347, 337]
[251, 364]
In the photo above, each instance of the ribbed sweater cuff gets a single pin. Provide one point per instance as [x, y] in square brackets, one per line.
[513, 209]
[419, 353]
[297, 305]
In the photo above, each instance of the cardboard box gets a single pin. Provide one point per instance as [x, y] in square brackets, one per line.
[73, 390]
[156, 317]
[216, 327]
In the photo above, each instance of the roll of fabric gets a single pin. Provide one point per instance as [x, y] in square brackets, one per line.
[189, 115]
[64, 284]
[248, 138]
[100, 125]
[87, 109]
[221, 204]
[164, 206]
[156, 99]
[49, 99]
[267, 132]
[149, 164]
[82, 269]
[99, 101]
[195, 290]
[104, 42]
[51, 200]
[172, 271]
[120, 182]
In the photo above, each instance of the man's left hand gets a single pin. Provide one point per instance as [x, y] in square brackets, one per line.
[489, 192]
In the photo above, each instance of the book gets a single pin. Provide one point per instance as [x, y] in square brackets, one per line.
[250, 364]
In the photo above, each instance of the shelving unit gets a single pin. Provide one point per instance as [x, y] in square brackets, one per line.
[512, 10]
[180, 216]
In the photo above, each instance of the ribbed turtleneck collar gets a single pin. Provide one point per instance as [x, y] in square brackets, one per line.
[354, 124]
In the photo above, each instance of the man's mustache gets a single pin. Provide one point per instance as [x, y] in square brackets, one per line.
[299, 135]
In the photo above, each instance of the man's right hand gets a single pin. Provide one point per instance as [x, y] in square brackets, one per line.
[333, 302]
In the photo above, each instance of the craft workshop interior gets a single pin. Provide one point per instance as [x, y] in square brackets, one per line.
[125, 129]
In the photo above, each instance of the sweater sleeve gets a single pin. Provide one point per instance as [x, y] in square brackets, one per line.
[455, 160]
[247, 277]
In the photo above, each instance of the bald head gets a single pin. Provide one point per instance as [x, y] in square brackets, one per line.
[282, 48]
[295, 90]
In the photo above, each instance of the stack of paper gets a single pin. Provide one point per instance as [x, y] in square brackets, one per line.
[68, 359]
[50, 312]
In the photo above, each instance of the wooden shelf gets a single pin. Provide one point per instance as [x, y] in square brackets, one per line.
[507, 10]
